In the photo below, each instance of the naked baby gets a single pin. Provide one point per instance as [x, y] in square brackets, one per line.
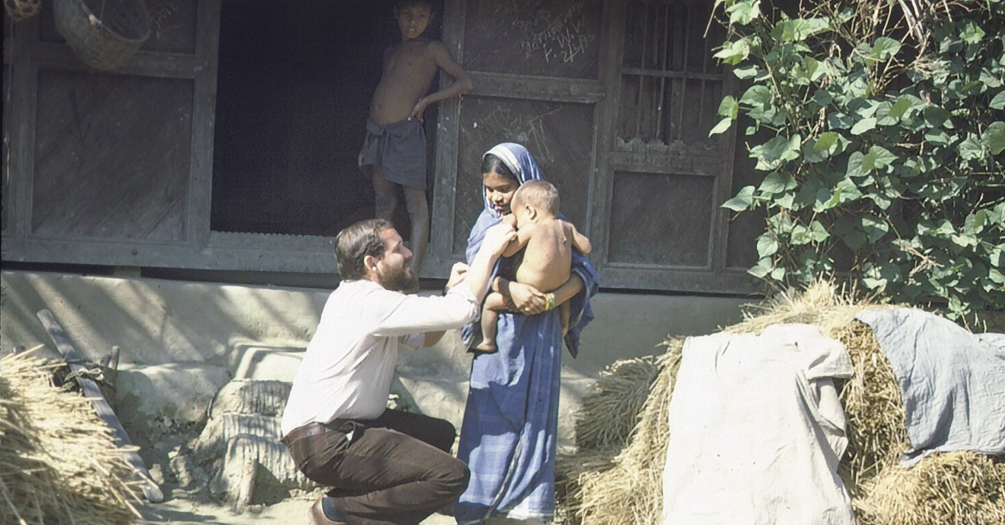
[547, 243]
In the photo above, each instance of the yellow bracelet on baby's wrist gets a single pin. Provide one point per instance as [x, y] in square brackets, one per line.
[549, 301]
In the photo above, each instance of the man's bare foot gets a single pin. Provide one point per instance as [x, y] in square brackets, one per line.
[487, 346]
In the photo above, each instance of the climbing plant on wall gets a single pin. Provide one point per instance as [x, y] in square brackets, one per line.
[879, 126]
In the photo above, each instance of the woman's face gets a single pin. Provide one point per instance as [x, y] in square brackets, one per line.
[499, 190]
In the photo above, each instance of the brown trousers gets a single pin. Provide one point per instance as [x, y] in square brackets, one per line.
[396, 469]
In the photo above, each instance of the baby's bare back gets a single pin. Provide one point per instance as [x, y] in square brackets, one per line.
[547, 259]
[408, 72]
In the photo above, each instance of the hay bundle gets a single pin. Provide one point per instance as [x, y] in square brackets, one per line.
[59, 462]
[631, 490]
[617, 399]
[953, 488]
[568, 470]
[877, 433]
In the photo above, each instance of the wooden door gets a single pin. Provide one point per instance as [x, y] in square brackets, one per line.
[112, 167]
[658, 220]
[615, 98]
[536, 68]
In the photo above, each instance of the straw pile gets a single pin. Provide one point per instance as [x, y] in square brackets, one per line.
[58, 460]
[629, 487]
[961, 488]
[617, 397]
[953, 488]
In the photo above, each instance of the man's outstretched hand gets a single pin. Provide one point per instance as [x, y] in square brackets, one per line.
[497, 238]
[457, 274]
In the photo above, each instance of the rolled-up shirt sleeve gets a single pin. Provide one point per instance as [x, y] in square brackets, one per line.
[395, 314]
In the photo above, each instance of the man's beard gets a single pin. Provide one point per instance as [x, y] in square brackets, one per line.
[400, 280]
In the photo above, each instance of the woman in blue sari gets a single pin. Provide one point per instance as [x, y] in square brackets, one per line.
[510, 425]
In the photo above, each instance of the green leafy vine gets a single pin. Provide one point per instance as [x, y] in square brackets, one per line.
[879, 126]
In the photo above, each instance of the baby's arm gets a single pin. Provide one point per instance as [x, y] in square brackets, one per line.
[522, 237]
[462, 82]
[580, 241]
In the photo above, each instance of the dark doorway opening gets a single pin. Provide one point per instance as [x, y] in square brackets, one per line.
[294, 85]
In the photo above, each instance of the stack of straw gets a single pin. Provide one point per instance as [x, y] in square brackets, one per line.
[951, 488]
[58, 460]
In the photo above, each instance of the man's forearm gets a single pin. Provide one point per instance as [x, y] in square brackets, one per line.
[479, 274]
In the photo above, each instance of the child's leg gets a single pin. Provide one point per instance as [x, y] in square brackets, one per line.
[418, 213]
[386, 195]
[565, 312]
[494, 302]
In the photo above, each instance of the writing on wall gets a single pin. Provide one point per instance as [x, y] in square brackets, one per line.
[523, 127]
[557, 32]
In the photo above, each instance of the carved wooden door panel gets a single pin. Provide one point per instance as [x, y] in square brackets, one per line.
[658, 220]
[536, 67]
[112, 167]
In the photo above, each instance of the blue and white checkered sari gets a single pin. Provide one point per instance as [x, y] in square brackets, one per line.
[510, 422]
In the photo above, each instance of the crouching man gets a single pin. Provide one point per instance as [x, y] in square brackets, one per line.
[384, 466]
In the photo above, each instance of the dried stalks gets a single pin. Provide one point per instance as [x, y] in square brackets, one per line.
[955, 488]
[58, 461]
[616, 398]
[949, 488]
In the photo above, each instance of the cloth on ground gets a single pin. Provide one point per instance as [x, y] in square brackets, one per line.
[951, 380]
[400, 151]
[757, 430]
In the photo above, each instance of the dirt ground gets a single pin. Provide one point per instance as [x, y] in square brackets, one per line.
[288, 511]
[181, 342]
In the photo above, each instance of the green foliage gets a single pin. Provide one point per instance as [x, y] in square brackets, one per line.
[881, 137]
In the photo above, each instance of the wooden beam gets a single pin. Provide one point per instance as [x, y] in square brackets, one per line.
[537, 88]
[91, 391]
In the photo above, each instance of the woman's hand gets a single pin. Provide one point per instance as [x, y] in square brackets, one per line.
[524, 298]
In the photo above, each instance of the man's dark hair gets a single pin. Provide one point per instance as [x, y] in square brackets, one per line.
[354, 243]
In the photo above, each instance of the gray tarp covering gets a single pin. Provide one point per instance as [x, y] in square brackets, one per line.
[952, 381]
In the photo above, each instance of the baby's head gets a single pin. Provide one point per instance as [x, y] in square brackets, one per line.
[535, 200]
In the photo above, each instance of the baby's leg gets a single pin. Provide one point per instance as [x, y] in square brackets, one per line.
[565, 312]
[494, 302]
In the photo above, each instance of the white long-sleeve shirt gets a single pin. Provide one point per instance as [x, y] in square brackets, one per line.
[347, 370]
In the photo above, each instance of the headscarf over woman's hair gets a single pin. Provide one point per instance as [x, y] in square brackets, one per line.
[519, 162]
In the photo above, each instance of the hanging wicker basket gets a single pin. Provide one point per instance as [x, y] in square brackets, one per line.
[103, 34]
[18, 10]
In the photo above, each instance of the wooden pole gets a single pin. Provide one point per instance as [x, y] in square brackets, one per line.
[91, 391]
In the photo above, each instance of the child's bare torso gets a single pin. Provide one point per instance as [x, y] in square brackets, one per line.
[409, 70]
[547, 258]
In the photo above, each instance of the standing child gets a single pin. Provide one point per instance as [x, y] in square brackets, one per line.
[546, 263]
[395, 143]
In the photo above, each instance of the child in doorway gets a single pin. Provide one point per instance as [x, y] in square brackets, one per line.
[395, 143]
[546, 263]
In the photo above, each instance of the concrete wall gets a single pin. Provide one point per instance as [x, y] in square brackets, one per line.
[180, 341]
